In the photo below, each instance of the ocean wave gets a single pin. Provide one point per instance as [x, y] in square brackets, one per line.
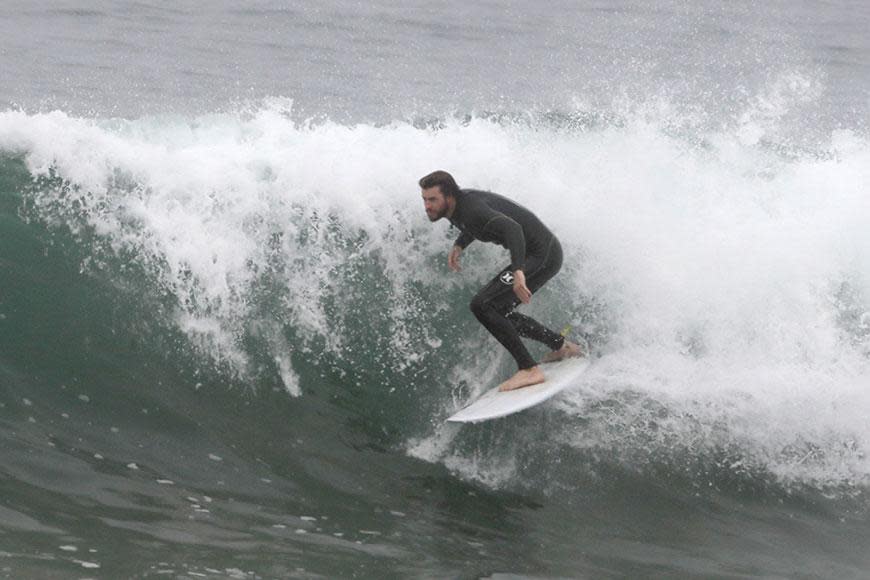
[722, 276]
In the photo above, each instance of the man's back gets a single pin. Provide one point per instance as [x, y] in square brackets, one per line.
[476, 209]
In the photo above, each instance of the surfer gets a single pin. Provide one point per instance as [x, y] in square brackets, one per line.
[536, 256]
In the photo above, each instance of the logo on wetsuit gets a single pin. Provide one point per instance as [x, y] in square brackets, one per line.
[507, 277]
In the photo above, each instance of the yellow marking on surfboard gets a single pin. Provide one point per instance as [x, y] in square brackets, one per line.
[566, 330]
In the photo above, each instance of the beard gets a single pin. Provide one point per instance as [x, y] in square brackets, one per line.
[435, 216]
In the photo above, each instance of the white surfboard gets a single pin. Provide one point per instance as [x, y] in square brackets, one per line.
[494, 403]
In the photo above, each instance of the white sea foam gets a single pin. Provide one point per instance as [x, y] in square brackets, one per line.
[734, 276]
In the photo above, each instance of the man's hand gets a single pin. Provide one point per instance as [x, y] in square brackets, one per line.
[453, 258]
[520, 289]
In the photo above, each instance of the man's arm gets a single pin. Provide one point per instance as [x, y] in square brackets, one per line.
[510, 235]
[520, 289]
[504, 231]
[453, 258]
[463, 240]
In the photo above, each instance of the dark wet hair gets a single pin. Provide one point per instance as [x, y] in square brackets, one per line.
[443, 180]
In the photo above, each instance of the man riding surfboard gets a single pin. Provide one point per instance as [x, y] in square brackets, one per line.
[536, 256]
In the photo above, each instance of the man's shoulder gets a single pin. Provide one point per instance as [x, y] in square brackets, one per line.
[489, 201]
[476, 193]
[476, 204]
[479, 197]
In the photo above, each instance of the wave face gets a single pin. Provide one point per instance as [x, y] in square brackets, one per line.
[248, 320]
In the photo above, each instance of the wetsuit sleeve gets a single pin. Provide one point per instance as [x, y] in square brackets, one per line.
[510, 235]
[463, 240]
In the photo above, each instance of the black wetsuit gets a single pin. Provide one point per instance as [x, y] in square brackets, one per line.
[489, 217]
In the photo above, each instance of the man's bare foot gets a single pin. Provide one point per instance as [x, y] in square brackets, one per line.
[523, 378]
[568, 350]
